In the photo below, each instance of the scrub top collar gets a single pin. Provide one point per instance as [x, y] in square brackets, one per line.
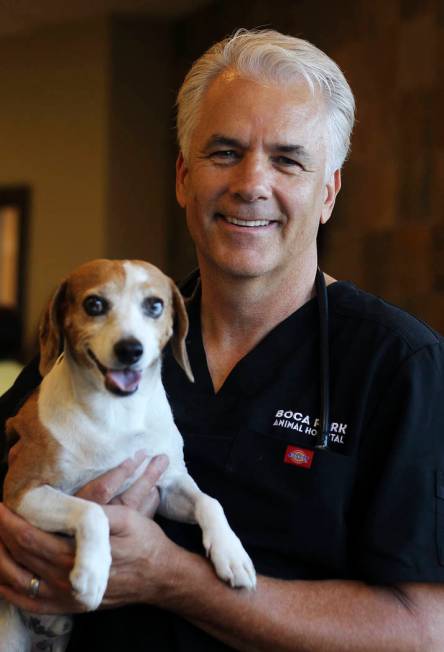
[257, 369]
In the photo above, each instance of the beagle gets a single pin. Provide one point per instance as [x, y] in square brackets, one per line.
[100, 401]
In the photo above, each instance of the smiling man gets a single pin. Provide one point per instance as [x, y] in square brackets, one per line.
[348, 542]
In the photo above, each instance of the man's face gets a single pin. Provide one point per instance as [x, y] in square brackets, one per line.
[254, 184]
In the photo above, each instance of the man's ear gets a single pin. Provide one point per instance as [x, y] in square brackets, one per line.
[181, 173]
[331, 189]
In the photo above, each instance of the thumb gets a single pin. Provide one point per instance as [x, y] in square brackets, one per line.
[120, 518]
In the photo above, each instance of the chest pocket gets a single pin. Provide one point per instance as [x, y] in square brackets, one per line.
[297, 512]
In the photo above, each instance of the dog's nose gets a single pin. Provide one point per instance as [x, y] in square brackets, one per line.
[128, 350]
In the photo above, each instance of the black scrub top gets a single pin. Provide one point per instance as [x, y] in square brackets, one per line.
[371, 508]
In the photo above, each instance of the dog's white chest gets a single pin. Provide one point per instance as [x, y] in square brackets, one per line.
[98, 434]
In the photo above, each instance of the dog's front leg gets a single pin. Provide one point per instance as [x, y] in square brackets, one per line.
[182, 500]
[54, 511]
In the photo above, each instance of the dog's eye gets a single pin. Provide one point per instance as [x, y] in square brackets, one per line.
[95, 306]
[153, 307]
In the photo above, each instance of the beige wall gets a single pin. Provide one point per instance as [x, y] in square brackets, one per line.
[84, 121]
[140, 157]
[53, 129]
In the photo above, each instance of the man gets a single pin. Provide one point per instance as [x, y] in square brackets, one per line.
[348, 543]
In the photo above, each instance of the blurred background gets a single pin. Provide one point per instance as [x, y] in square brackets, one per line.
[87, 139]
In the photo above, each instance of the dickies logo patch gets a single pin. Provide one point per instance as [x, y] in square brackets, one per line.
[298, 456]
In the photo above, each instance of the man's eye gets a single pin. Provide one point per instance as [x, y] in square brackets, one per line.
[95, 306]
[224, 155]
[286, 162]
[152, 307]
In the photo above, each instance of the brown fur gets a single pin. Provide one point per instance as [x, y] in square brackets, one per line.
[64, 321]
[64, 324]
[36, 462]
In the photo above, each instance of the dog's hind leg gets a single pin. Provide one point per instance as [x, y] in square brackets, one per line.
[182, 500]
[14, 635]
[48, 632]
[54, 511]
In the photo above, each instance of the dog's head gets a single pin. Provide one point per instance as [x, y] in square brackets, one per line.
[114, 318]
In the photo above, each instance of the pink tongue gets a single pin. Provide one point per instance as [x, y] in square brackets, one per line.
[126, 380]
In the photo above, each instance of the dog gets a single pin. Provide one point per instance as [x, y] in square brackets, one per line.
[100, 401]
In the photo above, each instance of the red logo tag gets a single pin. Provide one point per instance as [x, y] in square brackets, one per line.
[299, 456]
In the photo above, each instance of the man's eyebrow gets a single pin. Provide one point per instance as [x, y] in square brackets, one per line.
[218, 140]
[298, 150]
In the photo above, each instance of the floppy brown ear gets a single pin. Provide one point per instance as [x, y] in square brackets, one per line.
[180, 332]
[51, 331]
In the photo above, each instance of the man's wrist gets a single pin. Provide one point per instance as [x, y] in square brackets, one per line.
[181, 578]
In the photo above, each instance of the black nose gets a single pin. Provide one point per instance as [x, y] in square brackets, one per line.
[128, 351]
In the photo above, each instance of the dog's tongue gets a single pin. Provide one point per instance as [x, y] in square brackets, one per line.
[123, 380]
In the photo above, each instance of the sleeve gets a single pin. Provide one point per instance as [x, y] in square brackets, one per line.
[398, 510]
[10, 403]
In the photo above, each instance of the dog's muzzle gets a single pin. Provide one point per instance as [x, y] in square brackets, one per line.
[122, 382]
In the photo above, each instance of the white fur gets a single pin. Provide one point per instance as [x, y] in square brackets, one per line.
[97, 431]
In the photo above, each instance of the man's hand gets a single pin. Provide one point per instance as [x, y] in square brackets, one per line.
[142, 496]
[26, 551]
[143, 566]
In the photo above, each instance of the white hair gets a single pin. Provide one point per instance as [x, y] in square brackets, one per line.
[267, 55]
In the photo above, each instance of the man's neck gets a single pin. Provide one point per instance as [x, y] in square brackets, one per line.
[237, 313]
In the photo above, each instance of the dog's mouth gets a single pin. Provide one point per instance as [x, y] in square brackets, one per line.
[122, 382]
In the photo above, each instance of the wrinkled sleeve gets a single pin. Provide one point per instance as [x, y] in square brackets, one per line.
[398, 511]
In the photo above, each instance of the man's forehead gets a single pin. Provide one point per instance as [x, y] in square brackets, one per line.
[237, 108]
[295, 86]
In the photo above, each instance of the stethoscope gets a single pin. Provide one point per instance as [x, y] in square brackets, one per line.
[321, 439]
[188, 286]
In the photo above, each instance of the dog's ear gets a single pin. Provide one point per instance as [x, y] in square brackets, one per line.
[51, 330]
[180, 331]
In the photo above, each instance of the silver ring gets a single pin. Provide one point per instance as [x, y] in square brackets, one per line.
[34, 586]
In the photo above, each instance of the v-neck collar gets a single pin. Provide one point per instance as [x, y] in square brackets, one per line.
[258, 367]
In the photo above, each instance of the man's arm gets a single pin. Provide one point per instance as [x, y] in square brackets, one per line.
[280, 615]
[286, 616]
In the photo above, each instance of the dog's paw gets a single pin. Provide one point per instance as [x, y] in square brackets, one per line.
[89, 582]
[231, 562]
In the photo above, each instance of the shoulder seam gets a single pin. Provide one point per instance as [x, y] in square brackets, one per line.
[437, 339]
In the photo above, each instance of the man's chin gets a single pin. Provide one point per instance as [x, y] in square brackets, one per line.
[245, 269]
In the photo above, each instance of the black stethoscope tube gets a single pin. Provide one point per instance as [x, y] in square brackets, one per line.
[321, 440]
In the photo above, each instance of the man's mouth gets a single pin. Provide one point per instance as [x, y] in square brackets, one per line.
[122, 382]
[249, 223]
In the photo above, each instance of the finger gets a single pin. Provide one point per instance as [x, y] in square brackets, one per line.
[42, 604]
[143, 495]
[17, 579]
[11, 573]
[105, 487]
[30, 546]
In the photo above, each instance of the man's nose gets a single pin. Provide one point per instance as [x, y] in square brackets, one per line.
[251, 179]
